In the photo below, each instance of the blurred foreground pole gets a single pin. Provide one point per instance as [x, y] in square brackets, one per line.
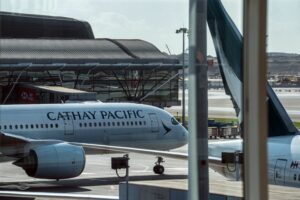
[255, 107]
[198, 105]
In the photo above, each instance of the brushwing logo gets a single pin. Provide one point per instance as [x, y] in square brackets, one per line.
[166, 128]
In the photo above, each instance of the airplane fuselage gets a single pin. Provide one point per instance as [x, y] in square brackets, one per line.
[283, 158]
[123, 124]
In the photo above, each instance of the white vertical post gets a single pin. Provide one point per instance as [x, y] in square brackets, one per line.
[198, 105]
[255, 107]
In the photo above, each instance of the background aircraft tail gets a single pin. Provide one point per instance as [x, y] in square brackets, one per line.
[228, 44]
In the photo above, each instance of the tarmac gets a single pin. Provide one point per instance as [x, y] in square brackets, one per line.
[220, 105]
[99, 179]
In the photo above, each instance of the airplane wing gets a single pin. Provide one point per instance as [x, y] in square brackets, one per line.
[121, 149]
[213, 161]
[47, 158]
[17, 146]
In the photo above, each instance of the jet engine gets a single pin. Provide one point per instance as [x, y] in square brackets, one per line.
[53, 161]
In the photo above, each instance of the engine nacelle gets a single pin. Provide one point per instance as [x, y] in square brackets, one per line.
[54, 161]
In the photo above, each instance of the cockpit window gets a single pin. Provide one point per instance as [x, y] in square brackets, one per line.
[174, 121]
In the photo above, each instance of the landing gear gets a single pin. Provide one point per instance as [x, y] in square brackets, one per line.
[158, 168]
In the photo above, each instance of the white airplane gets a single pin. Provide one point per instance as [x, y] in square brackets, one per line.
[46, 140]
[284, 140]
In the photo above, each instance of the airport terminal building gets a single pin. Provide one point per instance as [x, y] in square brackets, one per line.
[62, 52]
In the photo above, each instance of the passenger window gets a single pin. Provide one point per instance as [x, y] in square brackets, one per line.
[10, 126]
[31, 126]
[5, 127]
[56, 125]
[104, 124]
[99, 123]
[0, 127]
[26, 126]
[51, 125]
[298, 177]
[131, 123]
[123, 123]
[108, 123]
[127, 123]
[113, 123]
[80, 124]
[21, 126]
[16, 126]
[42, 125]
[46, 125]
[118, 123]
[85, 124]
[95, 124]
[295, 177]
[90, 124]
[36, 126]
[140, 123]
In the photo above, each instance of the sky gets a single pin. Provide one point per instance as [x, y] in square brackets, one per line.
[157, 20]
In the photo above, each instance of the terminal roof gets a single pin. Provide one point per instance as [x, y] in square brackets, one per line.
[20, 25]
[39, 42]
[71, 54]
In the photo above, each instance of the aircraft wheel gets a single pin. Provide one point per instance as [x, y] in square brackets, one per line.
[158, 169]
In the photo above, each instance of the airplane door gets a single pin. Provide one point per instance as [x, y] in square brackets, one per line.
[279, 172]
[69, 127]
[154, 122]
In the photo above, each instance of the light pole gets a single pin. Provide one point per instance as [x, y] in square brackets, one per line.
[183, 31]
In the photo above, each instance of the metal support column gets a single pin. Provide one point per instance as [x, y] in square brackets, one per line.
[255, 107]
[198, 105]
[183, 31]
[183, 77]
